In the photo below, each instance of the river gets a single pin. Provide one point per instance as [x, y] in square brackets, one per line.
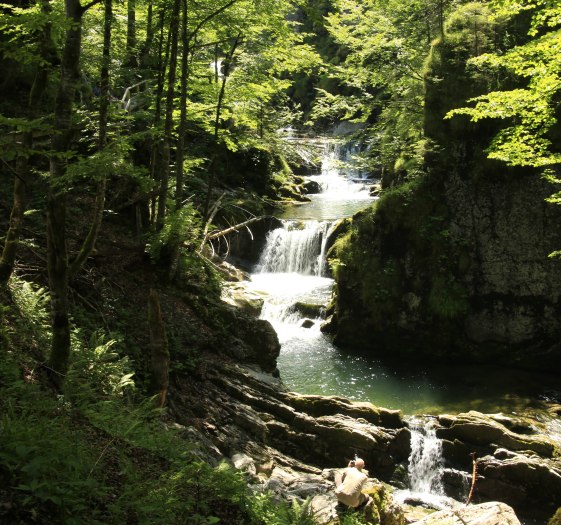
[292, 274]
[292, 270]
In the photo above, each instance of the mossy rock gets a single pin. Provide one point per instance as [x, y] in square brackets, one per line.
[310, 310]
[556, 518]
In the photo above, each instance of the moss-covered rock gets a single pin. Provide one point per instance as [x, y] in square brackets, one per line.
[454, 264]
[556, 518]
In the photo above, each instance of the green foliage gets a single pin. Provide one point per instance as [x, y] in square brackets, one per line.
[447, 298]
[99, 452]
[31, 320]
[265, 509]
[182, 227]
[530, 112]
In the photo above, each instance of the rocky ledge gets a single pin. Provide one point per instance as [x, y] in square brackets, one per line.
[517, 462]
[290, 444]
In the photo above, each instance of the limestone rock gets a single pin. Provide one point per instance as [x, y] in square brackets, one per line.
[519, 468]
[331, 405]
[311, 187]
[491, 513]
[488, 431]
[519, 480]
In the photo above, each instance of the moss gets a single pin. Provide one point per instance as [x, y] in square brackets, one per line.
[447, 298]
[311, 310]
[556, 518]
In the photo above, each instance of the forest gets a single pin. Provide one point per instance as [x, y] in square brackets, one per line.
[231, 231]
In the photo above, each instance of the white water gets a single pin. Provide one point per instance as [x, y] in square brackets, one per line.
[425, 461]
[292, 270]
[292, 266]
[298, 247]
[425, 467]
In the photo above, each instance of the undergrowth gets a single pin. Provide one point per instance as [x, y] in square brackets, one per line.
[99, 452]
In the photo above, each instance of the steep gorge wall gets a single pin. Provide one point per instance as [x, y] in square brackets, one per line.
[455, 265]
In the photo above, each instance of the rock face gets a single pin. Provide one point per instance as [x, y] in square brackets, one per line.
[516, 465]
[455, 264]
[491, 513]
[245, 412]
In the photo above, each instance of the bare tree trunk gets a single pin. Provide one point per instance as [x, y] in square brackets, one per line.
[159, 353]
[441, 17]
[162, 66]
[225, 74]
[180, 152]
[147, 45]
[130, 52]
[168, 124]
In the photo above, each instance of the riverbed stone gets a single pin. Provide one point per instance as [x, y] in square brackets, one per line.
[490, 513]
[490, 431]
[311, 187]
[331, 405]
[521, 480]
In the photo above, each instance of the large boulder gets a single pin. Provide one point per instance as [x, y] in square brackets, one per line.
[516, 464]
[491, 513]
[487, 432]
[521, 480]
[453, 265]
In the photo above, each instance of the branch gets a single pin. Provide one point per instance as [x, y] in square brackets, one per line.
[473, 477]
[84, 8]
[234, 228]
[210, 17]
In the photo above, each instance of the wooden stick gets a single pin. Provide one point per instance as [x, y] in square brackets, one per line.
[473, 477]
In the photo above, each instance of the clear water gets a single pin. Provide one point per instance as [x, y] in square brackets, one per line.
[290, 271]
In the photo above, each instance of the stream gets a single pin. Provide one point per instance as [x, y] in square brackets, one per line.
[292, 269]
[291, 275]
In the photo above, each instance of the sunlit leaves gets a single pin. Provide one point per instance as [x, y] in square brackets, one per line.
[530, 111]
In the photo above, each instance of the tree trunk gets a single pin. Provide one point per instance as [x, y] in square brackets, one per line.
[57, 254]
[130, 53]
[89, 242]
[180, 152]
[225, 74]
[162, 66]
[159, 351]
[168, 124]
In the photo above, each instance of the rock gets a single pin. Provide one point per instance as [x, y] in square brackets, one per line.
[230, 272]
[311, 310]
[491, 513]
[516, 465]
[244, 463]
[319, 432]
[376, 189]
[490, 431]
[311, 187]
[247, 301]
[331, 405]
[324, 508]
[307, 323]
[556, 518]
[519, 480]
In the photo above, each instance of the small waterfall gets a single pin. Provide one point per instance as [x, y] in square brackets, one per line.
[425, 461]
[296, 248]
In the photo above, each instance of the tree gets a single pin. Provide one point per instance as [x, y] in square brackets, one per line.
[43, 58]
[531, 111]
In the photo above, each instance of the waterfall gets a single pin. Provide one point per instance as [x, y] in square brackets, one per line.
[297, 247]
[425, 461]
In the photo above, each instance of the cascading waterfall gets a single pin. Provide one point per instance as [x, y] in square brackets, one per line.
[296, 248]
[425, 461]
[292, 266]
